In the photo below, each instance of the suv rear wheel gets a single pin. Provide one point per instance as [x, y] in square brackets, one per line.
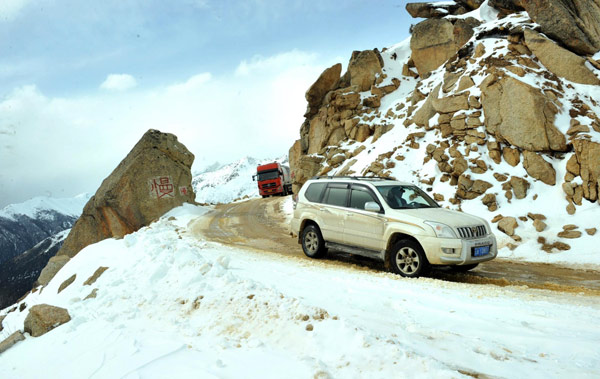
[408, 259]
[312, 242]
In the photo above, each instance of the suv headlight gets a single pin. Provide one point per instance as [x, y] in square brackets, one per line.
[441, 230]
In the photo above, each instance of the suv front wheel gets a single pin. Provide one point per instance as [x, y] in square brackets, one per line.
[408, 259]
[312, 242]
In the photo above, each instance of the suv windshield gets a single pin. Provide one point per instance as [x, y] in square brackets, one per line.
[406, 197]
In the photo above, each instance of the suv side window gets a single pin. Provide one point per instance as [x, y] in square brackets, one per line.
[336, 196]
[314, 191]
[359, 197]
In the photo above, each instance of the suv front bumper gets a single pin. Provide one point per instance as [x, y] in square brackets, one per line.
[463, 250]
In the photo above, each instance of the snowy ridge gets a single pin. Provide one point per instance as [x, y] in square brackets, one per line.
[229, 182]
[38, 206]
[174, 305]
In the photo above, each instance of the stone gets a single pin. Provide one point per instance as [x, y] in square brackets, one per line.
[67, 283]
[519, 186]
[506, 6]
[372, 102]
[325, 83]
[590, 231]
[92, 295]
[511, 156]
[576, 24]
[2, 319]
[521, 115]
[489, 200]
[558, 60]
[11, 340]
[588, 156]
[539, 225]
[154, 178]
[451, 104]
[537, 167]
[497, 218]
[570, 227]
[52, 267]
[364, 66]
[337, 135]
[431, 10]
[571, 234]
[573, 165]
[536, 216]
[434, 41]
[42, 318]
[438, 197]
[363, 132]
[465, 83]
[508, 225]
[92, 279]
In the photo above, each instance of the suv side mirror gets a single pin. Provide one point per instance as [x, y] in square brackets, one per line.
[372, 206]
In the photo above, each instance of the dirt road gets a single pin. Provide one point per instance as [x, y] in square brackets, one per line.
[260, 224]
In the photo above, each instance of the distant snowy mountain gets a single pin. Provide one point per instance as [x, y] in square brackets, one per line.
[226, 183]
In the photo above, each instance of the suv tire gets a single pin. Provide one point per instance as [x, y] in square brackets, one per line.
[408, 259]
[313, 244]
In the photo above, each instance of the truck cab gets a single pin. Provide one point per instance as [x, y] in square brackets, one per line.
[273, 179]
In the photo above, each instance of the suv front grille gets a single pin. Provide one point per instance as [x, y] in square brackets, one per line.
[467, 232]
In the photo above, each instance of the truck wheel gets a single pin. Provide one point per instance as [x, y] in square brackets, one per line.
[464, 268]
[408, 259]
[313, 244]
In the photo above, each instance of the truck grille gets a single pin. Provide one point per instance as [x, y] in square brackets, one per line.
[467, 232]
[268, 185]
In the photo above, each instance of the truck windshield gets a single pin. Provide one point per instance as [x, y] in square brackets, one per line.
[406, 197]
[268, 175]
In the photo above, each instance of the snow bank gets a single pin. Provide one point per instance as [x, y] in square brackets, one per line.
[173, 305]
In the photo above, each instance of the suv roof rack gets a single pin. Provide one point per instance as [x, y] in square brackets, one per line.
[353, 177]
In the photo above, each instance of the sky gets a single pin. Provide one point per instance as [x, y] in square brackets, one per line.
[82, 80]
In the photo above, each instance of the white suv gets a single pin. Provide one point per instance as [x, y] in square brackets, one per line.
[389, 220]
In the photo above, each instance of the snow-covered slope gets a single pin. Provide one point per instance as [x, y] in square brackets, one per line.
[226, 183]
[40, 207]
[173, 305]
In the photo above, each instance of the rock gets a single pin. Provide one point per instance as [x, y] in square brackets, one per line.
[536, 216]
[508, 225]
[92, 279]
[507, 6]
[434, 41]
[521, 115]
[92, 295]
[67, 283]
[363, 132]
[431, 10]
[372, 102]
[465, 83]
[52, 267]
[489, 200]
[539, 168]
[588, 157]
[574, 23]
[560, 61]
[154, 178]
[11, 340]
[590, 231]
[511, 156]
[2, 319]
[325, 83]
[451, 104]
[573, 166]
[426, 112]
[436, 197]
[570, 234]
[304, 168]
[570, 227]
[519, 186]
[363, 68]
[539, 225]
[42, 318]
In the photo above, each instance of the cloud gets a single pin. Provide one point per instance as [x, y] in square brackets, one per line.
[67, 145]
[118, 82]
[9, 9]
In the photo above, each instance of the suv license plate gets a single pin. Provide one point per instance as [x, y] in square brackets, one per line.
[481, 251]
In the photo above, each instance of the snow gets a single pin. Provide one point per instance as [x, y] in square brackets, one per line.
[229, 182]
[172, 304]
[38, 206]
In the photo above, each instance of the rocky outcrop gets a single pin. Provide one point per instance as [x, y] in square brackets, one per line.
[363, 68]
[587, 166]
[561, 62]
[521, 115]
[434, 41]
[154, 178]
[42, 318]
[325, 83]
[576, 24]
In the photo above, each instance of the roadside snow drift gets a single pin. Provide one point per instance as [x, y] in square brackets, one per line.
[173, 305]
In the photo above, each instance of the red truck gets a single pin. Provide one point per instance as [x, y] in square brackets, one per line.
[273, 179]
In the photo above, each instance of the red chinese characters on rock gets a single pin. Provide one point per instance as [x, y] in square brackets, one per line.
[162, 187]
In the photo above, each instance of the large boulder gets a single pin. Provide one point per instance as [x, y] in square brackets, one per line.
[575, 23]
[560, 61]
[434, 41]
[537, 167]
[42, 318]
[363, 68]
[435, 9]
[521, 115]
[154, 178]
[325, 83]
